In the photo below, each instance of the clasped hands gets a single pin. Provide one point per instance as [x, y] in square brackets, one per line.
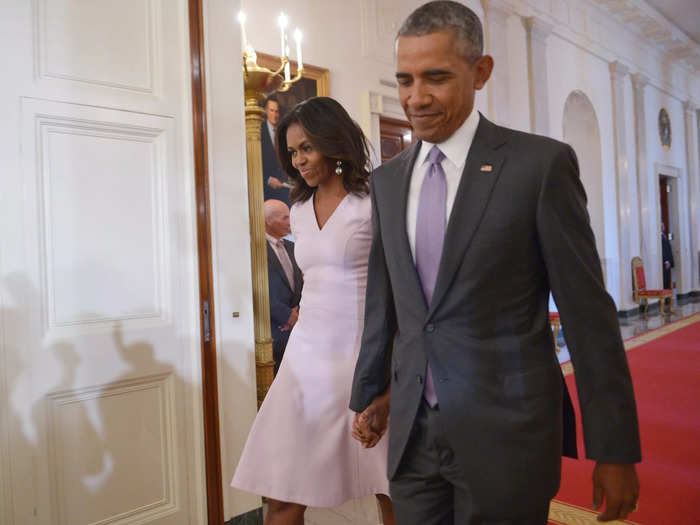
[370, 425]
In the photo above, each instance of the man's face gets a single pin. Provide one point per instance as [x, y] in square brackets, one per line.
[272, 110]
[437, 84]
[277, 224]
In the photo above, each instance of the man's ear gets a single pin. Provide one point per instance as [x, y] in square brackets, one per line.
[482, 71]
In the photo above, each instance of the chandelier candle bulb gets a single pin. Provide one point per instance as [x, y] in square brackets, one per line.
[282, 20]
[287, 74]
[244, 39]
[298, 36]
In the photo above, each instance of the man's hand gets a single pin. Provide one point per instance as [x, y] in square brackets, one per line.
[293, 318]
[369, 426]
[274, 182]
[618, 485]
[667, 265]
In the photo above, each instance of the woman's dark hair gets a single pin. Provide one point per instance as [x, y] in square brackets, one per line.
[330, 130]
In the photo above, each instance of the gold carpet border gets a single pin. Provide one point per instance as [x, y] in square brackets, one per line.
[566, 514]
[647, 337]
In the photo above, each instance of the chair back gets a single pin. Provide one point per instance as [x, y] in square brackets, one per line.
[638, 279]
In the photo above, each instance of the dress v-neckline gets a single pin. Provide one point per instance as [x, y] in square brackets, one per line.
[330, 217]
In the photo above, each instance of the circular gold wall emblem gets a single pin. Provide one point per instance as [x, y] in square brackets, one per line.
[665, 128]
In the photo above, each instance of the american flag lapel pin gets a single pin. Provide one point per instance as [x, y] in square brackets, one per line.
[486, 167]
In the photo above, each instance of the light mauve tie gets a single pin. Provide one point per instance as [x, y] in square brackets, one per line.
[430, 235]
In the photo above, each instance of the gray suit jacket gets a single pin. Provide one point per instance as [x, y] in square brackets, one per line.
[515, 233]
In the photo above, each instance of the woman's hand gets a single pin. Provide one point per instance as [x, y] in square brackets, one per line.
[369, 426]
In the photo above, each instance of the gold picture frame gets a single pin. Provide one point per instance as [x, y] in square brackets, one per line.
[664, 124]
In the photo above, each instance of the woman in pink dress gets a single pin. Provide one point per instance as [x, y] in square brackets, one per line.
[300, 451]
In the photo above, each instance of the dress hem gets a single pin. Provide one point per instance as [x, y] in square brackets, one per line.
[316, 504]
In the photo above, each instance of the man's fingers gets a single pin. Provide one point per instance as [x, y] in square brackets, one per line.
[597, 495]
[626, 510]
[612, 512]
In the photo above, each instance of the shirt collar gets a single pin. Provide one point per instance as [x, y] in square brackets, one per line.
[456, 147]
[271, 129]
[272, 240]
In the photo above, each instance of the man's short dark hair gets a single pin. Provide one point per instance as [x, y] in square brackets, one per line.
[443, 15]
[271, 98]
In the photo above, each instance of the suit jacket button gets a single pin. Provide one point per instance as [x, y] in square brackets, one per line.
[430, 327]
[419, 379]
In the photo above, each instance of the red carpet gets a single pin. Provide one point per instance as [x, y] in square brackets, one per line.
[665, 367]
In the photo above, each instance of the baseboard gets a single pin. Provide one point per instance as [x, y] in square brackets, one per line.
[686, 298]
[254, 517]
[690, 297]
[626, 314]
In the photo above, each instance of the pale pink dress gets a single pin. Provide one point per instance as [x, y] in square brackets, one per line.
[300, 448]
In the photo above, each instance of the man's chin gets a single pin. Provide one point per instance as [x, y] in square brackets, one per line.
[432, 136]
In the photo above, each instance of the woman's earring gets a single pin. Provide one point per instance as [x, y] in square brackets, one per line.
[339, 168]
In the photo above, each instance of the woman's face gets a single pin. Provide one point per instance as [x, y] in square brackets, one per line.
[308, 160]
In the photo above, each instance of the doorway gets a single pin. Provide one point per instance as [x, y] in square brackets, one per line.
[668, 226]
[396, 136]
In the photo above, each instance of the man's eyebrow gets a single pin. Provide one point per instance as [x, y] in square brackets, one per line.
[426, 73]
[435, 72]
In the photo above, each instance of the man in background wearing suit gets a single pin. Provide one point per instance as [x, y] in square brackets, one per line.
[667, 257]
[472, 228]
[274, 179]
[284, 275]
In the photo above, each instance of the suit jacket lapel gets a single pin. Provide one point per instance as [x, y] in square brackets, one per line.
[277, 265]
[402, 246]
[473, 195]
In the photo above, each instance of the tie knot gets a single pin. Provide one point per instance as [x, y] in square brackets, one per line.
[435, 156]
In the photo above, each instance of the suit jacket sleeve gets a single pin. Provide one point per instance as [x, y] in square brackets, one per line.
[372, 369]
[588, 315]
[279, 312]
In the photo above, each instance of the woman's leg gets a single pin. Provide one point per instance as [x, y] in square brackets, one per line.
[387, 509]
[284, 513]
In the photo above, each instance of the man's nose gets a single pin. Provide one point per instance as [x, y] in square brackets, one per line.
[418, 96]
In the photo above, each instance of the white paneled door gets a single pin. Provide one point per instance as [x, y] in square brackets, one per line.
[100, 419]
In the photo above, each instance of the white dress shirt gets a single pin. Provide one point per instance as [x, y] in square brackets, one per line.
[271, 129]
[455, 149]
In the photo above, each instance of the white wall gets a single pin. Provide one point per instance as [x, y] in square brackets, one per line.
[571, 68]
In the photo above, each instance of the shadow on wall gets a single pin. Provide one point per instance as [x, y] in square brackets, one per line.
[85, 443]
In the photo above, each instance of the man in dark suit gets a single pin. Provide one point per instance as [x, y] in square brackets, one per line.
[473, 226]
[274, 179]
[667, 257]
[284, 275]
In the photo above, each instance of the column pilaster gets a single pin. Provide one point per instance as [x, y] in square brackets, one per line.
[625, 184]
[537, 33]
[648, 227]
[496, 13]
[693, 170]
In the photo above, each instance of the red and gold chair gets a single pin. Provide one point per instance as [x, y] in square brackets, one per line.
[642, 295]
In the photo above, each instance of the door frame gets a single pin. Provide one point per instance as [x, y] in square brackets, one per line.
[673, 177]
[212, 445]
